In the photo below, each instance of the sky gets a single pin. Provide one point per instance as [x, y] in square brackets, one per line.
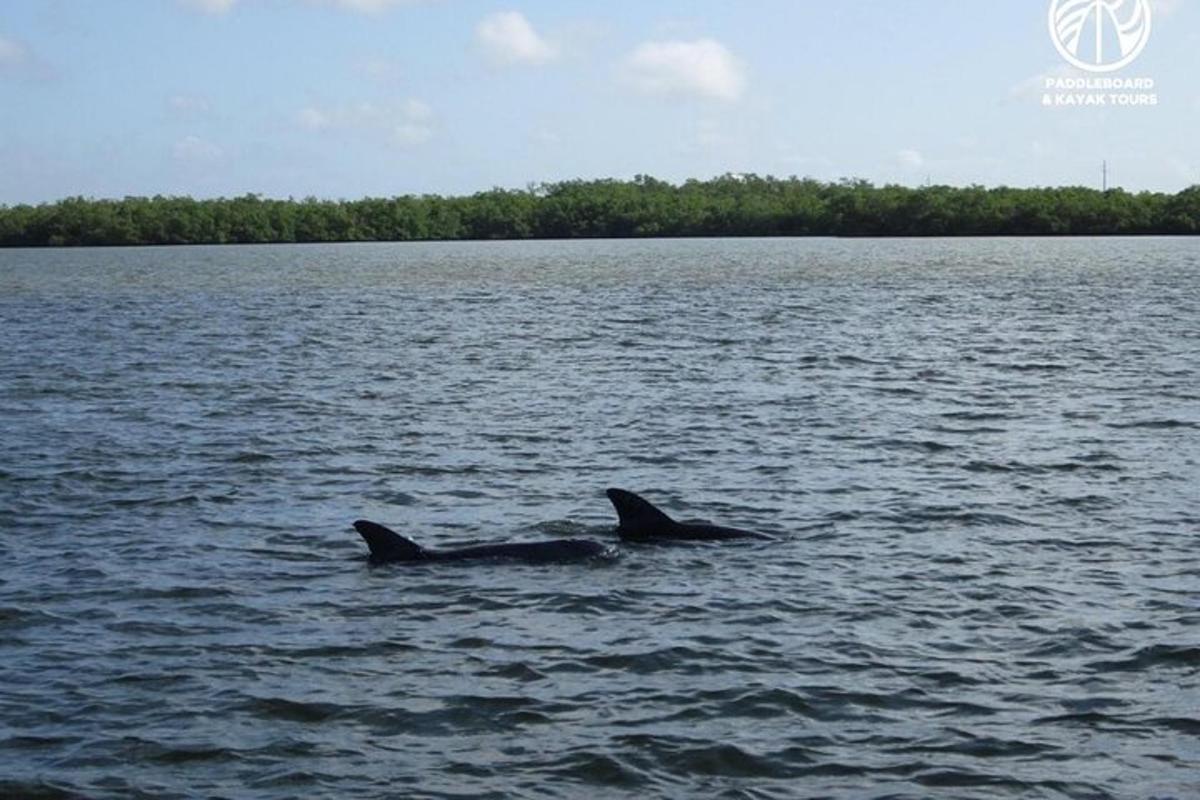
[343, 99]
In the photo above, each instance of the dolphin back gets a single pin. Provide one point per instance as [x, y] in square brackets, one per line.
[640, 521]
[387, 545]
[638, 518]
[548, 552]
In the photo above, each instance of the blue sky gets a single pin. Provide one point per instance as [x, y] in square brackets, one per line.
[348, 98]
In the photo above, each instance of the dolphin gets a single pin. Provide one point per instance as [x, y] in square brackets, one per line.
[388, 546]
[640, 521]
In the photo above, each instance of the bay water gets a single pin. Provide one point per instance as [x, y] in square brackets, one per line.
[980, 461]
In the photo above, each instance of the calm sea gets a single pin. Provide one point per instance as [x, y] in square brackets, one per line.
[980, 458]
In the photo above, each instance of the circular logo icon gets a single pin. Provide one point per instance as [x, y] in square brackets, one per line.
[1100, 35]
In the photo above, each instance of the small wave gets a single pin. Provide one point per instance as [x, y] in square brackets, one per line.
[1032, 366]
[1098, 720]
[516, 671]
[384, 648]
[991, 466]
[182, 754]
[926, 446]
[14, 617]
[688, 757]
[833, 703]
[393, 498]
[967, 778]
[1073, 466]
[955, 517]
[1154, 424]
[1061, 543]
[179, 593]
[251, 458]
[669, 659]
[466, 494]
[281, 708]
[1088, 501]
[592, 605]
[983, 747]
[154, 502]
[976, 430]
[1068, 642]
[1039, 469]
[766, 704]
[493, 703]
[157, 629]
[1185, 725]
[38, 790]
[664, 460]
[1159, 655]
[947, 678]
[290, 779]
[759, 704]
[727, 760]
[150, 680]
[979, 416]
[596, 769]
[430, 471]
[36, 743]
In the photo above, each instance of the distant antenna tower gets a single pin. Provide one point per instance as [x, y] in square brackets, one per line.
[1104, 179]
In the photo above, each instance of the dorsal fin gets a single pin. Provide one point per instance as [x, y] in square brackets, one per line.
[386, 544]
[638, 517]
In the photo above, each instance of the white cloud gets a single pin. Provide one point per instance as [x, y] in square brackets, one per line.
[911, 159]
[546, 137]
[1035, 86]
[12, 54]
[19, 62]
[314, 119]
[187, 105]
[1166, 8]
[702, 68]
[196, 150]
[508, 38]
[211, 6]
[417, 110]
[415, 125]
[408, 134]
[408, 124]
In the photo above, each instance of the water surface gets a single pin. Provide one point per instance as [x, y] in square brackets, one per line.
[979, 458]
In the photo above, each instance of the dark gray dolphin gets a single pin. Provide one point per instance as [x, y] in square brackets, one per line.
[387, 546]
[640, 521]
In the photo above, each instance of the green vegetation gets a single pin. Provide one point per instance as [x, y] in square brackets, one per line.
[731, 205]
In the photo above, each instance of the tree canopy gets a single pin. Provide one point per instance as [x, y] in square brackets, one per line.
[729, 205]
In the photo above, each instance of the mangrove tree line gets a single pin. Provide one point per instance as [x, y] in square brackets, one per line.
[731, 205]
